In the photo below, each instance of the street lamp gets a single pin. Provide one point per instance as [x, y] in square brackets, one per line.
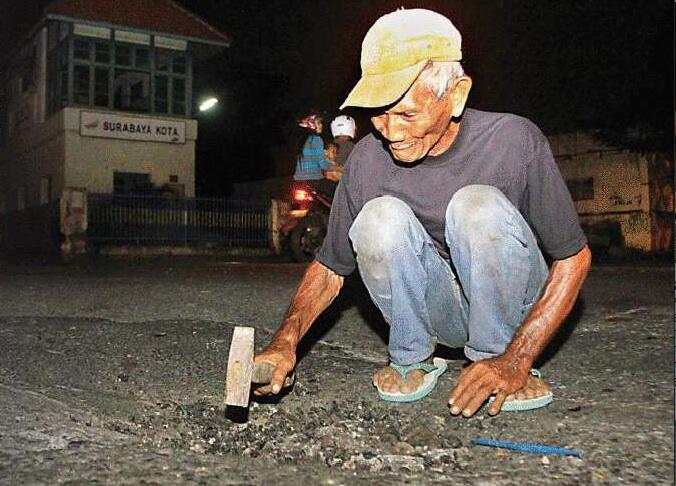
[208, 103]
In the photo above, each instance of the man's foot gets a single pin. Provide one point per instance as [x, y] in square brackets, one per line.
[534, 394]
[389, 380]
[408, 383]
[534, 388]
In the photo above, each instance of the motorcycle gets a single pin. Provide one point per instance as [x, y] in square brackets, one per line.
[305, 226]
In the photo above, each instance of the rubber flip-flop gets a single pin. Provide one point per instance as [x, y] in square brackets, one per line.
[527, 404]
[433, 372]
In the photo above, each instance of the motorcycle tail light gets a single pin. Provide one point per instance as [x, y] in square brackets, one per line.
[301, 195]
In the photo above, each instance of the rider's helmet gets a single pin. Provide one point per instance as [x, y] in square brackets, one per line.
[310, 121]
[343, 125]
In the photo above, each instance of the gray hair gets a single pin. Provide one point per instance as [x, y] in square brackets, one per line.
[439, 75]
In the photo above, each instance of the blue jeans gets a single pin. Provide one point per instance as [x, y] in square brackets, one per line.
[498, 274]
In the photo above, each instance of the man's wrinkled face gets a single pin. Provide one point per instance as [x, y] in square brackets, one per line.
[415, 124]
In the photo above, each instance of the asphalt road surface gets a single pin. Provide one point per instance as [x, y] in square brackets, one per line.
[112, 371]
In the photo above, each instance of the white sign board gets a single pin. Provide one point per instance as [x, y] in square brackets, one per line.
[91, 31]
[169, 43]
[110, 125]
[133, 37]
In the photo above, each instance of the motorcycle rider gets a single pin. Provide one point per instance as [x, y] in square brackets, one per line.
[343, 129]
[336, 171]
[304, 230]
[312, 159]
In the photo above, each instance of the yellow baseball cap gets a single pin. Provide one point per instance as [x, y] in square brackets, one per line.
[396, 49]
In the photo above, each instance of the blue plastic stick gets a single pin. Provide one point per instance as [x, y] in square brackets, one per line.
[535, 448]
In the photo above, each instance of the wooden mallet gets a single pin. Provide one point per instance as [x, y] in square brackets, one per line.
[242, 371]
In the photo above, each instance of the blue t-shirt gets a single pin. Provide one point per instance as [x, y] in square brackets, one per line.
[312, 160]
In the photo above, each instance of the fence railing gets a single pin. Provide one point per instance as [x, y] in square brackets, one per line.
[158, 220]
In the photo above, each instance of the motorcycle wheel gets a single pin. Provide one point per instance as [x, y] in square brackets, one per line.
[304, 245]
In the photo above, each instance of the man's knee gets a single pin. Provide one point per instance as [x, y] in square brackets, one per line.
[380, 226]
[476, 208]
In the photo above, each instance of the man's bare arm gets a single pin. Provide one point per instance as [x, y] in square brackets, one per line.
[507, 373]
[318, 288]
[564, 283]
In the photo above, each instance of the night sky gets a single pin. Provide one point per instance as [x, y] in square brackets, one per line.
[567, 65]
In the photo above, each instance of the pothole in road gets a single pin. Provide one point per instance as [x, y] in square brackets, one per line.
[346, 435]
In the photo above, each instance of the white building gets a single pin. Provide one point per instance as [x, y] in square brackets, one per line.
[99, 96]
[614, 188]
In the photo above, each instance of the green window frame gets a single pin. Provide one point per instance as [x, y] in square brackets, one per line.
[104, 73]
[58, 67]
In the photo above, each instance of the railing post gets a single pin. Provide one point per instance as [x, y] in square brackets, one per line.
[185, 223]
[277, 211]
[73, 220]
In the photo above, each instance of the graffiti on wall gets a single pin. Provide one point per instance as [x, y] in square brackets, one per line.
[661, 177]
[661, 171]
[662, 233]
[662, 196]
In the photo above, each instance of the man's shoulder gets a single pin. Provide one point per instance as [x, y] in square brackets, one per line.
[508, 123]
[506, 129]
[312, 141]
[370, 149]
[368, 144]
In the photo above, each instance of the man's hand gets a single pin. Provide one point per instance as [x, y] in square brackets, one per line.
[320, 285]
[333, 175]
[504, 375]
[500, 376]
[283, 358]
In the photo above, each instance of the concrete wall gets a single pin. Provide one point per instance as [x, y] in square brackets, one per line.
[56, 149]
[32, 149]
[90, 161]
[34, 152]
[620, 181]
[628, 188]
[636, 227]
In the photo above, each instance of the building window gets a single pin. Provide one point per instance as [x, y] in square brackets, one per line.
[101, 87]
[161, 94]
[178, 96]
[162, 60]
[81, 50]
[111, 74]
[581, 189]
[142, 58]
[81, 85]
[131, 183]
[102, 52]
[123, 55]
[45, 189]
[178, 64]
[132, 90]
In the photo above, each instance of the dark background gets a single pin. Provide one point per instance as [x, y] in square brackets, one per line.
[606, 65]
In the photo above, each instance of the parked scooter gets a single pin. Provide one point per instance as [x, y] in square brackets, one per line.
[306, 223]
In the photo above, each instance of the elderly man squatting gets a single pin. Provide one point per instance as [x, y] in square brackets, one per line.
[446, 214]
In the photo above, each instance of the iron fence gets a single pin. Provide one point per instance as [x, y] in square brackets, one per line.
[160, 220]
